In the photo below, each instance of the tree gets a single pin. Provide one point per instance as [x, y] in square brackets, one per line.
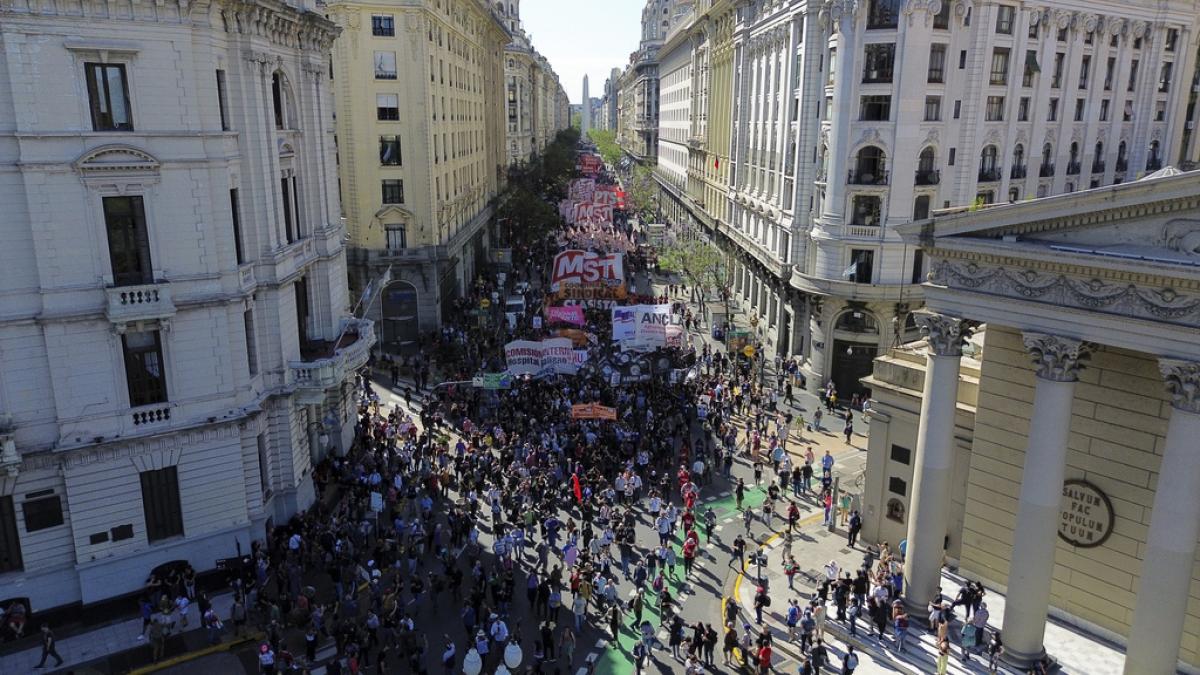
[606, 143]
[641, 192]
[702, 266]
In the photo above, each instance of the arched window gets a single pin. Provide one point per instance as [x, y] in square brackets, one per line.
[921, 207]
[1018, 165]
[870, 167]
[857, 321]
[926, 173]
[988, 171]
[1153, 161]
[925, 160]
[1047, 160]
[281, 101]
[1122, 160]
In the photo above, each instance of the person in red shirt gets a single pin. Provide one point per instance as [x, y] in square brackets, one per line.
[764, 659]
[689, 520]
[689, 555]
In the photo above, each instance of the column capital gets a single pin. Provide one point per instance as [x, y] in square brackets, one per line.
[1183, 383]
[946, 334]
[1056, 358]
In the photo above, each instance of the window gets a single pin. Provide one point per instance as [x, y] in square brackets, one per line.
[999, 66]
[289, 220]
[1133, 68]
[1023, 109]
[160, 502]
[832, 65]
[236, 211]
[1098, 158]
[1032, 32]
[1122, 160]
[870, 167]
[1018, 168]
[385, 65]
[933, 108]
[1172, 39]
[393, 191]
[878, 61]
[1164, 78]
[1085, 65]
[1062, 34]
[941, 20]
[10, 542]
[389, 151]
[1079, 109]
[883, 14]
[866, 211]
[1108, 73]
[957, 108]
[988, 170]
[1004, 19]
[862, 262]
[876, 108]
[1160, 111]
[397, 237]
[145, 375]
[108, 96]
[1047, 168]
[128, 241]
[937, 63]
[1127, 115]
[962, 59]
[387, 107]
[902, 454]
[1014, 195]
[1031, 68]
[995, 109]
[264, 468]
[1154, 160]
[1059, 64]
[897, 485]
[950, 157]
[251, 343]
[1052, 111]
[985, 198]
[920, 212]
[1104, 110]
[222, 99]
[277, 100]
[383, 25]
[42, 511]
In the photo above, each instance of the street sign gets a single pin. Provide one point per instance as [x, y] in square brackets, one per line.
[748, 350]
[492, 381]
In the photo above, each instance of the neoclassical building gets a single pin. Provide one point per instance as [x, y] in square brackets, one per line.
[176, 350]
[849, 118]
[420, 167]
[1054, 458]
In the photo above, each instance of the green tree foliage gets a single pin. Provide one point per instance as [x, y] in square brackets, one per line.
[606, 143]
[701, 266]
[527, 206]
[641, 192]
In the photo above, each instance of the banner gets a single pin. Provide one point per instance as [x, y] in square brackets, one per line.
[624, 323]
[645, 327]
[593, 411]
[571, 315]
[587, 275]
[545, 357]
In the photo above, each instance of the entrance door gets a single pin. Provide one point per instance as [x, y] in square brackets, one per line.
[851, 362]
[401, 327]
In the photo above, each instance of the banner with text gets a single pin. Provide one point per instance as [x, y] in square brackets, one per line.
[571, 315]
[586, 275]
[544, 357]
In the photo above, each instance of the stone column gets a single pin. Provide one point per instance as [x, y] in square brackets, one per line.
[1056, 362]
[929, 505]
[1162, 598]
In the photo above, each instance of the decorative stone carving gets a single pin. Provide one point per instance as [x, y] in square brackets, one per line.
[1114, 25]
[1183, 383]
[931, 138]
[1062, 18]
[946, 334]
[1122, 299]
[1182, 236]
[1091, 22]
[1056, 358]
[992, 137]
[1139, 29]
[870, 135]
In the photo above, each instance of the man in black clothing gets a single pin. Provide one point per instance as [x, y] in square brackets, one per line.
[48, 647]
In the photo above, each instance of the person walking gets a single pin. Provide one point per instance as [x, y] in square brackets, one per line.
[995, 650]
[849, 661]
[854, 529]
[49, 647]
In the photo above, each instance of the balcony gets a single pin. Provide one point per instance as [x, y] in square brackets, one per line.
[142, 302]
[928, 177]
[1017, 172]
[990, 174]
[1097, 167]
[326, 365]
[1073, 168]
[863, 231]
[867, 177]
[1046, 170]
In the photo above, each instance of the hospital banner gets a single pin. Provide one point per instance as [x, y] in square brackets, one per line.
[544, 357]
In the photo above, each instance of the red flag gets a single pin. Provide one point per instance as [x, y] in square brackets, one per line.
[575, 486]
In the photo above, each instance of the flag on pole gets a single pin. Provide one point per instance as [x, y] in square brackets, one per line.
[851, 270]
[575, 486]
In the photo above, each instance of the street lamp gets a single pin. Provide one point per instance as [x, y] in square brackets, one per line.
[472, 663]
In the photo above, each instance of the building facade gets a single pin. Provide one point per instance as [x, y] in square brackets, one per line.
[848, 119]
[536, 103]
[176, 350]
[1054, 457]
[420, 171]
[674, 122]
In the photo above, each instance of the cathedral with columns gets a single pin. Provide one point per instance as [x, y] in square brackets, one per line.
[1044, 438]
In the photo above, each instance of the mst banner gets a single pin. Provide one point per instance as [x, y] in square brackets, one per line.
[544, 357]
[587, 275]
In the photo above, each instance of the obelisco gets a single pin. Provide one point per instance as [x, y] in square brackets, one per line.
[586, 110]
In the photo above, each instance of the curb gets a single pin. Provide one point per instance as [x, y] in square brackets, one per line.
[193, 655]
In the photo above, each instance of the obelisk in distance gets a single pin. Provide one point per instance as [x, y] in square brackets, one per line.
[585, 110]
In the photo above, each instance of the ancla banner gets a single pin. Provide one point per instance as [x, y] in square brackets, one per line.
[652, 322]
[571, 315]
[545, 357]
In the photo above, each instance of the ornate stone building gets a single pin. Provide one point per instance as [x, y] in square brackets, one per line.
[176, 351]
[1054, 457]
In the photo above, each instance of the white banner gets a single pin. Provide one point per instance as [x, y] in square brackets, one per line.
[545, 357]
[645, 327]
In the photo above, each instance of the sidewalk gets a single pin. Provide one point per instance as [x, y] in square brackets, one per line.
[815, 547]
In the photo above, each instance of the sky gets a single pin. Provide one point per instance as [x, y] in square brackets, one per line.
[584, 37]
